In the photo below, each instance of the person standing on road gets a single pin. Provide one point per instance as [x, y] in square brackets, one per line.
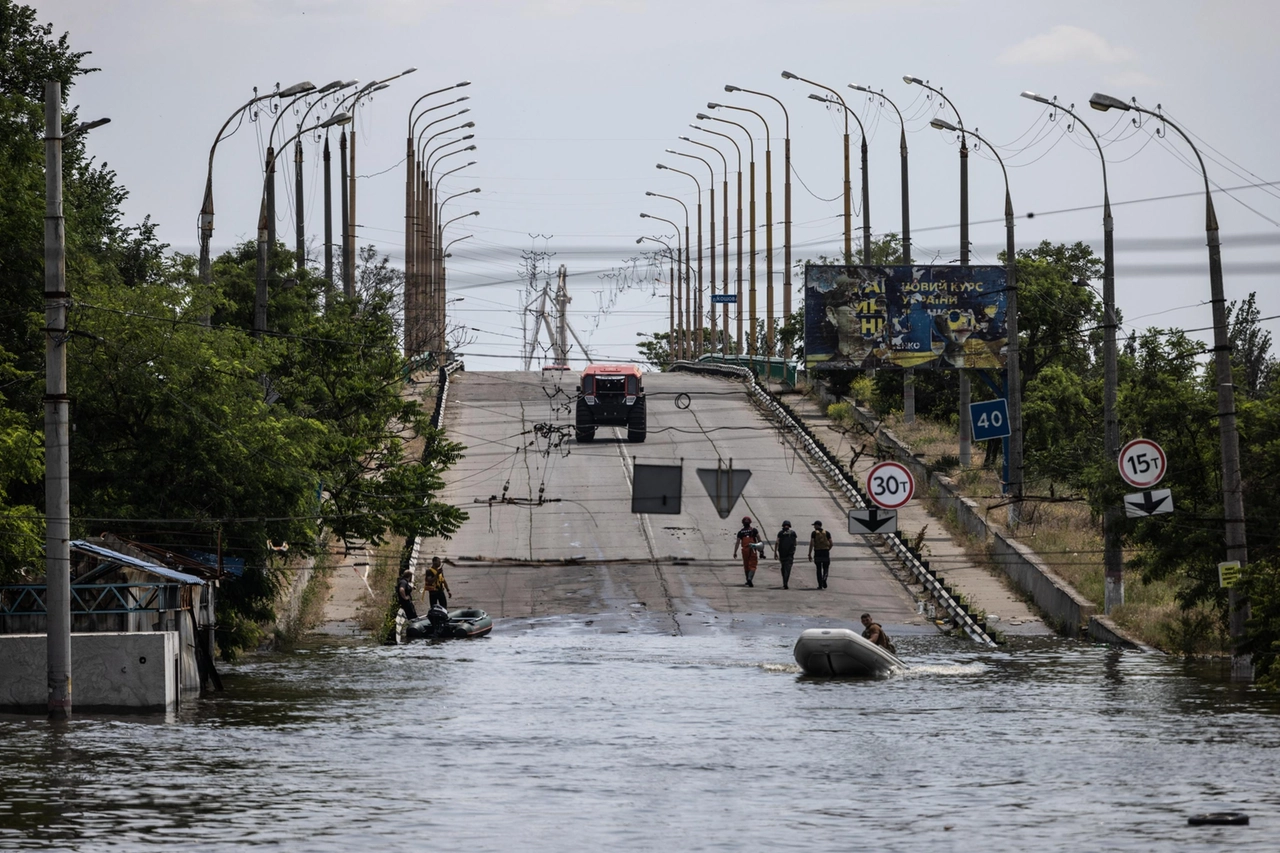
[820, 552]
[784, 547]
[434, 584]
[404, 595]
[748, 538]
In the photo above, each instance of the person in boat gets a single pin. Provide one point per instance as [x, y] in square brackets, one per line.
[784, 546]
[748, 539]
[404, 594]
[872, 632]
[820, 552]
[434, 584]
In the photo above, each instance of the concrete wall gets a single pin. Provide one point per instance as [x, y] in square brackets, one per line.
[109, 672]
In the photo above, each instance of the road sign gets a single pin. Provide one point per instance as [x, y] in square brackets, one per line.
[657, 489]
[1142, 463]
[1146, 504]
[890, 485]
[1228, 574]
[724, 486]
[990, 419]
[873, 520]
[724, 299]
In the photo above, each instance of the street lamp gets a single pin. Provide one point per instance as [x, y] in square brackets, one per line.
[434, 286]
[711, 219]
[1014, 378]
[271, 159]
[694, 343]
[682, 266]
[206, 208]
[738, 271]
[724, 195]
[260, 300]
[866, 194]
[1112, 555]
[300, 236]
[966, 425]
[848, 184]
[908, 375]
[751, 232]
[786, 209]
[671, 291]
[1228, 434]
[683, 324]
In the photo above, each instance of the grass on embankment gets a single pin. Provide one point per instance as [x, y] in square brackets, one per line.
[1062, 532]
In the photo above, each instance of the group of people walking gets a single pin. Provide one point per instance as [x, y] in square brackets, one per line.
[749, 542]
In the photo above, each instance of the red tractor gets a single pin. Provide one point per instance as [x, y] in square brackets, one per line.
[611, 395]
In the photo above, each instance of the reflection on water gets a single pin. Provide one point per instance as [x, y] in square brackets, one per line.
[549, 740]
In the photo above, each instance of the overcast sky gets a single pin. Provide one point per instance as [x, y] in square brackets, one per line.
[576, 100]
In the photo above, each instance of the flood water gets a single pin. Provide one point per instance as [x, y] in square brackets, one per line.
[552, 739]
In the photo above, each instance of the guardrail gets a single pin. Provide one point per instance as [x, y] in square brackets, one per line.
[829, 463]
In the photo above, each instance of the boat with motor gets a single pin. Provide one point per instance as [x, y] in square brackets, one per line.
[841, 652]
[440, 624]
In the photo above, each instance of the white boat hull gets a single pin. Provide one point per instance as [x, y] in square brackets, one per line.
[841, 652]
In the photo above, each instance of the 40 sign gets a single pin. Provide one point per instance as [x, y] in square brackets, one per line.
[890, 485]
[1142, 463]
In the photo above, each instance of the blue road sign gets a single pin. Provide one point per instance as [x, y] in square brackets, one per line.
[990, 419]
[724, 299]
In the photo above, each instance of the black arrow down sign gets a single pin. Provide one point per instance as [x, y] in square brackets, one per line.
[874, 520]
[1146, 504]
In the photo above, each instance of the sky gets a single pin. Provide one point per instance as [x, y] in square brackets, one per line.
[576, 101]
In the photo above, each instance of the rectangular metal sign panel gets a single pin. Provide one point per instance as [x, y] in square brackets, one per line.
[924, 317]
[1144, 504]
[657, 489]
[990, 419]
[874, 520]
[724, 299]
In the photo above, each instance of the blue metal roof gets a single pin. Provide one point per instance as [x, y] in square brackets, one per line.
[135, 563]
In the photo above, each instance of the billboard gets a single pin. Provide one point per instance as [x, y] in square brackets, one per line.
[930, 317]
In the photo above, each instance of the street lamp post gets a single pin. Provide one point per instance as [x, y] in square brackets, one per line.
[206, 208]
[966, 425]
[57, 410]
[738, 270]
[848, 184]
[866, 191]
[682, 267]
[699, 307]
[682, 302]
[1013, 366]
[671, 297]
[428, 302]
[908, 375]
[1228, 434]
[695, 333]
[724, 203]
[271, 161]
[786, 207]
[435, 295]
[751, 239]
[300, 247]
[441, 342]
[260, 299]
[1112, 555]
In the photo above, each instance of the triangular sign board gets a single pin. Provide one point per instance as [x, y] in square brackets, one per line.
[724, 486]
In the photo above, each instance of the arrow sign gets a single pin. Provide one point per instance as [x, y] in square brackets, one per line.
[1146, 504]
[724, 485]
[873, 520]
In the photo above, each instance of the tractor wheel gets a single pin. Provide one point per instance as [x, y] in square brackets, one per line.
[637, 427]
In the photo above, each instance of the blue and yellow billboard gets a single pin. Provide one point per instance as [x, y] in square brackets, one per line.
[931, 317]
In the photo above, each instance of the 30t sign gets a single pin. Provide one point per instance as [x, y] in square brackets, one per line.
[1142, 463]
[890, 485]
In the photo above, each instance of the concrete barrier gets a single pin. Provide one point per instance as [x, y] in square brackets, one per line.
[109, 672]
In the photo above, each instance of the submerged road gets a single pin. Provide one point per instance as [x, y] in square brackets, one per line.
[551, 531]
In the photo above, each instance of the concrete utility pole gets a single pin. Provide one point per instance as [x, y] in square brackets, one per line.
[57, 431]
[562, 318]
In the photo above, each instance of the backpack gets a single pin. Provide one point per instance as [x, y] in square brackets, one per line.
[821, 540]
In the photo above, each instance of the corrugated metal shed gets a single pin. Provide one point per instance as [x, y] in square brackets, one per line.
[133, 562]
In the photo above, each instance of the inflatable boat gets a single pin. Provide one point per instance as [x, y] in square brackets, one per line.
[469, 622]
[841, 652]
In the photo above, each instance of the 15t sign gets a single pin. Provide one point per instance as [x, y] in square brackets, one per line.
[1142, 463]
[890, 485]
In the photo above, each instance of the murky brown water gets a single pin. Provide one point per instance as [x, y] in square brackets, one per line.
[554, 740]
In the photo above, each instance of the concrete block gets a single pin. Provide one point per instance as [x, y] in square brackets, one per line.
[109, 672]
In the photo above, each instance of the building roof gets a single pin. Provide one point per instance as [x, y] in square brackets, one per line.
[134, 562]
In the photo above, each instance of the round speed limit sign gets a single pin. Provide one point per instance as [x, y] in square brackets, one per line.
[1142, 463]
[890, 485]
